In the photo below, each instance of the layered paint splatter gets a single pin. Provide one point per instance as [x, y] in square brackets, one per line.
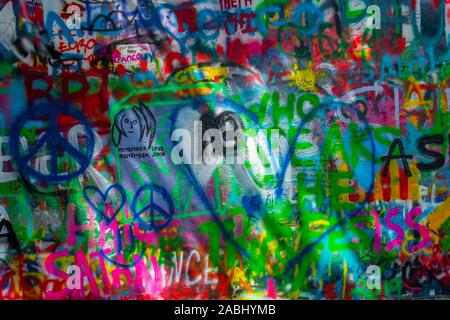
[343, 112]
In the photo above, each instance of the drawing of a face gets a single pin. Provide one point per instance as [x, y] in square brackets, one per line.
[130, 123]
[134, 126]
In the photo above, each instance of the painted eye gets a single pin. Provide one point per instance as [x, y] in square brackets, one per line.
[135, 122]
[126, 120]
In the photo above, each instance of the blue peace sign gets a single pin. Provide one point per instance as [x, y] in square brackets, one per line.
[54, 140]
[152, 207]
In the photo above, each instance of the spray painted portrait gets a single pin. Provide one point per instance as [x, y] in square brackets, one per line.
[133, 128]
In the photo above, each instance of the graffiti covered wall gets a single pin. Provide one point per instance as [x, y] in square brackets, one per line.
[223, 149]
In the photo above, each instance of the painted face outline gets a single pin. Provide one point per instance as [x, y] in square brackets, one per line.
[137, 121]
[130, 122]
